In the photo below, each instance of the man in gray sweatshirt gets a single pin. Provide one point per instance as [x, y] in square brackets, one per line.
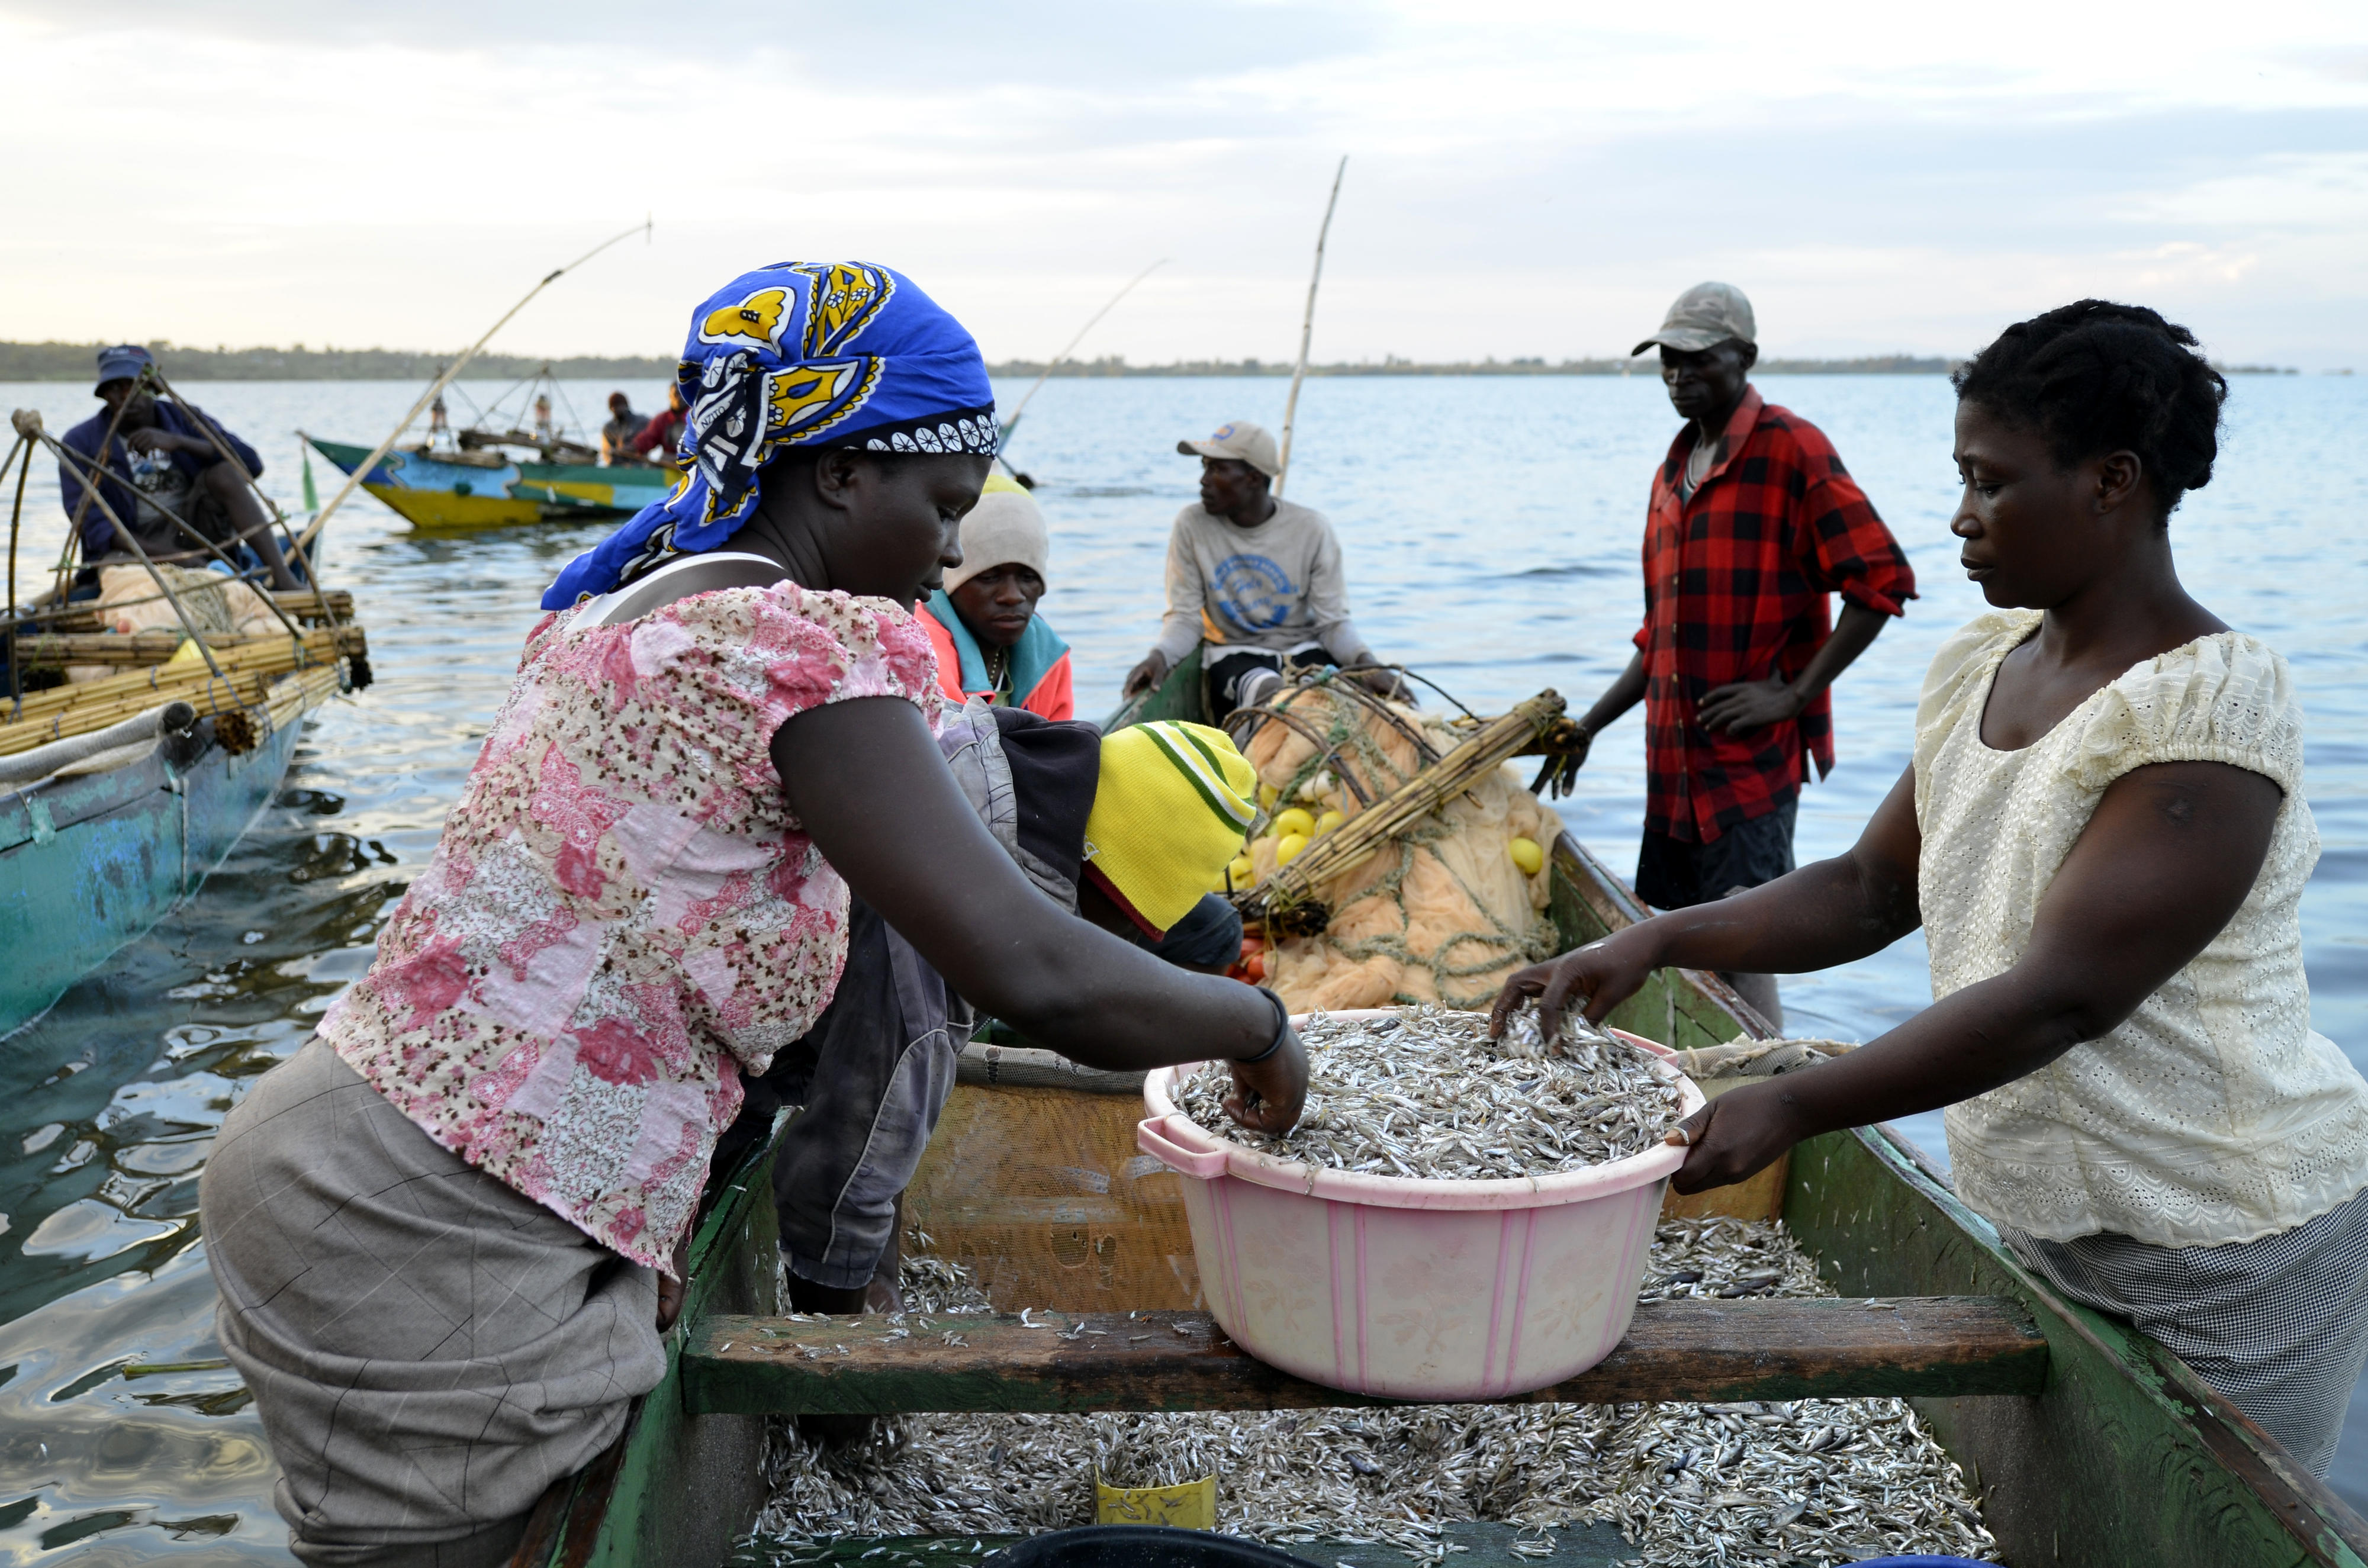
[1256, 578]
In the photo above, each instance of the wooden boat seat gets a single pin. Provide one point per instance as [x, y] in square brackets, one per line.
[1694, 1351]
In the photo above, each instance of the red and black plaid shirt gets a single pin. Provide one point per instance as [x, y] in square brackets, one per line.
[1735, 580]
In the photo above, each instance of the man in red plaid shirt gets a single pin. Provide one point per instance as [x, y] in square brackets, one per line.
[1753, 522]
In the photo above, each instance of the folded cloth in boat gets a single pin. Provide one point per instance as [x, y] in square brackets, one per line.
[428, 1350]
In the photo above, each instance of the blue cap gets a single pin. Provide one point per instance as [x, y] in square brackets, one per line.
[122, 362]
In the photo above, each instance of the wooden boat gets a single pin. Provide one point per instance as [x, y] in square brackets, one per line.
[96, 851]
[120, 793]
[502, 468]
[2088, 1444]
[491, 490]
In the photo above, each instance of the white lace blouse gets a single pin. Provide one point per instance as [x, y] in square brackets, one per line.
[2213, 1114]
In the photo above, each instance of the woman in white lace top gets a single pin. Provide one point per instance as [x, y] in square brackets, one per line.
[2105, 838]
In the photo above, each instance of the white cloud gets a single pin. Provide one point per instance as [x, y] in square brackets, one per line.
[1524, 178]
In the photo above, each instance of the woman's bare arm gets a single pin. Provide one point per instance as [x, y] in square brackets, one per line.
[2160, 870]
[866, 780]
[1830, 912]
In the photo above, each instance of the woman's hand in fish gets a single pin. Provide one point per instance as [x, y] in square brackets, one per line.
[1734, 1136]
[1269, 1096]
[1597, 978]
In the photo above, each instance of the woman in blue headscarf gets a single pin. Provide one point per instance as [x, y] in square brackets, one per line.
[449, 1231]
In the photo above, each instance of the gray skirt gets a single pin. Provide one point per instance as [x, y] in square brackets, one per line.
[2278, 1324]
[428, 1350]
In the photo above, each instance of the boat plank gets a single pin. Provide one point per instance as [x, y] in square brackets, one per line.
[1692, 1350]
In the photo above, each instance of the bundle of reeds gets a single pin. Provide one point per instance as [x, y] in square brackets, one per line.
[338, 605]
[248, 677]
[50, 650]
[1287, 899]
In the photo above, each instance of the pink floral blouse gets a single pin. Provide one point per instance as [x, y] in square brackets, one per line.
[621, 910]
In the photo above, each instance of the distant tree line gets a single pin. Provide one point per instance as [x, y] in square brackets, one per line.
[1116, 365]
[71, 362]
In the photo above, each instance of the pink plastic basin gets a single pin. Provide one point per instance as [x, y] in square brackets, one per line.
[1414, 1289]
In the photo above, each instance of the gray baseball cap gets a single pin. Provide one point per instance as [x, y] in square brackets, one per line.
[1704, 316]
[1243, 442]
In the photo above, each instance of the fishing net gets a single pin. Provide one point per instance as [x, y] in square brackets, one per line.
[1441, 915]
[128, 602]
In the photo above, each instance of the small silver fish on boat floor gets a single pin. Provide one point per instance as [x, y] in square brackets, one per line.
[1792, 1482]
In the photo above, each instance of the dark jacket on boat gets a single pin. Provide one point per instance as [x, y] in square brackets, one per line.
[97, 533]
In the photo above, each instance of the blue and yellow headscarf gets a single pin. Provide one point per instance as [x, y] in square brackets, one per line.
[800, 353]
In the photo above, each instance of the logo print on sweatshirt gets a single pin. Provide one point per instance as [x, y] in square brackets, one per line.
[1253, 592]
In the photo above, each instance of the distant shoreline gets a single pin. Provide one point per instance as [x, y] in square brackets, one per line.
[71, 362]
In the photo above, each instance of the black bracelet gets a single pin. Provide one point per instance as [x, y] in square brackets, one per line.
[1281, 1029]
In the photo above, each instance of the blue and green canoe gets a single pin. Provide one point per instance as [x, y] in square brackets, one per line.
[430, 493]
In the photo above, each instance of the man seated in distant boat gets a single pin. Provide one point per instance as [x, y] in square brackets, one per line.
[164, 478]
[990, 641]
[1256, 577]
[657, 439]
[624, 426]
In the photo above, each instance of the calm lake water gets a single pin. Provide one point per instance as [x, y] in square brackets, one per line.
[1491, 527]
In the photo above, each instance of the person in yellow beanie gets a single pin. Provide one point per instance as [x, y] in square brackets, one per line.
[1171, 809]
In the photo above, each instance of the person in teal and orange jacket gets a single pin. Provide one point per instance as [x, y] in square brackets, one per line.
[991, 642]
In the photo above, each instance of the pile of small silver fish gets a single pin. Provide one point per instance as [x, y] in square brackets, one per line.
[1808, 1481]
[1424, 1092]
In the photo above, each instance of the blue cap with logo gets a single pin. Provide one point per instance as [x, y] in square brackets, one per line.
[122, 362]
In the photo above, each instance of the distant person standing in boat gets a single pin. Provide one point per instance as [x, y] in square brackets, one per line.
[1753, 521]
[990, 641]
[660, 434]
[450, 1232]
[1256, 578]
[2103, 837]
[160, 464]
[617, 436]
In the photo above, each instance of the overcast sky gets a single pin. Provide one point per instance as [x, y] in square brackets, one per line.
[1522, 179]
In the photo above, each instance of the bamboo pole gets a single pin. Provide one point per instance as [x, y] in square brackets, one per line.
[82, 508]
[321, 519]
[295, 552]
[98, 704]
[1306, 330]
[43, 650]
[1020, 413]
[15, 521]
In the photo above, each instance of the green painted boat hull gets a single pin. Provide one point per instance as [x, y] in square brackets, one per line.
[90, 863]
[433, 494]
[2127, 1461]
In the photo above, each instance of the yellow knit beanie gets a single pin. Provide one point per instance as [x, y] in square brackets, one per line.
[1172, 805]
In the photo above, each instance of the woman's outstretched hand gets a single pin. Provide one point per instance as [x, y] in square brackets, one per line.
[1734, 1136]
[1599, 977]
[1269, 1096]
